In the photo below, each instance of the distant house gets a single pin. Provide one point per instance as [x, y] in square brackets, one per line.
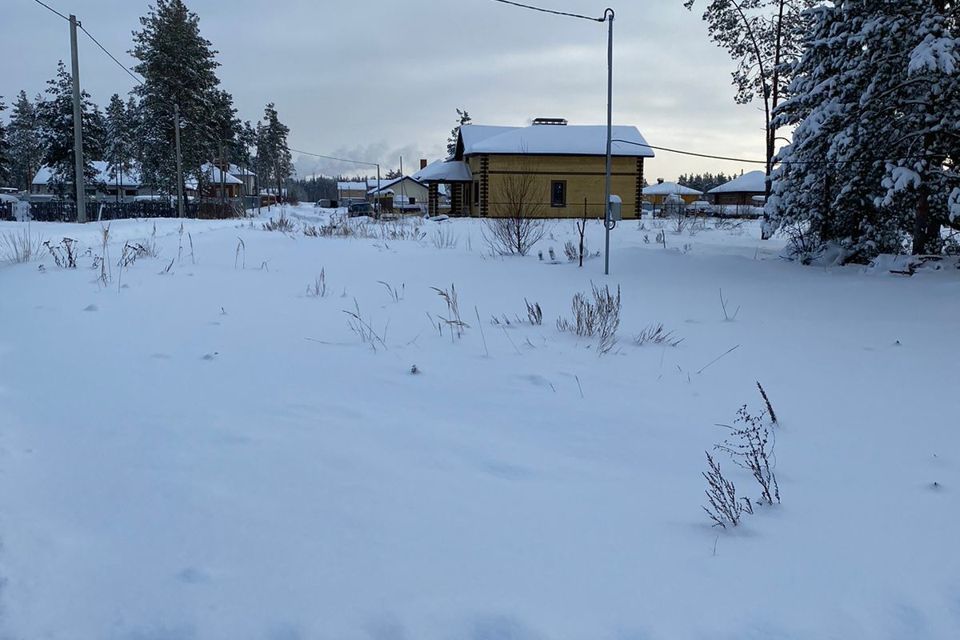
[352, 190]
[247, 177]
[656, 194]
[125, 185]
[747, 190]
[218, 183]
[561, 167]
[403, 193]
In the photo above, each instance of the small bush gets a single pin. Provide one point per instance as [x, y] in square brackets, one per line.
[599, 318]
[282, 224]
[63, 254]
[750, 448]
[21, 246]
[723, 506]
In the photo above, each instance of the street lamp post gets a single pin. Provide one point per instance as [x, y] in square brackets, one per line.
[608, 222]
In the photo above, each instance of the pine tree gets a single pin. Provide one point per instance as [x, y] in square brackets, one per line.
[876, 105]
[118, 148]
[178, 68]
[4, 148]
[764, 37]
[274, 162]
[24, 140]
[55, 114]
[462, 118]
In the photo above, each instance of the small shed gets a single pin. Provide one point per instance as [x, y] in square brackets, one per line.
[742, 191]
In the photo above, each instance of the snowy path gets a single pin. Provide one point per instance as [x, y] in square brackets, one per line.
[211, 453]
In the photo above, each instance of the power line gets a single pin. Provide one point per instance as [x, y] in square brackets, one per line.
[691, 153]
[320, 155]
[95, 41]
[552, 11]
[49, 8]
[104, 49]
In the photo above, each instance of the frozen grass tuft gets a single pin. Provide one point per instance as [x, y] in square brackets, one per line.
[20, 246]
[658, 335]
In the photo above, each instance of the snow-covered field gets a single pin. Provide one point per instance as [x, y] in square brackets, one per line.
[212, 453]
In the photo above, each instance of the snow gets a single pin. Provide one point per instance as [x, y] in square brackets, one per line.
[211, 453]
[445, 170]
[670, 188]
[127, 178]
[388, 185]
[216, 176]
[351, 186]
[752, 182]
[553, 139]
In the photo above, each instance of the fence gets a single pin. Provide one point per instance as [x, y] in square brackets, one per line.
[66, 211]
[6, 211]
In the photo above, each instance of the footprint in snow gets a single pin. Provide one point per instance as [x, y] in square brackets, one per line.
[91, 307]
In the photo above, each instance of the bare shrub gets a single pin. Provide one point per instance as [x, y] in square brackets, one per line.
[20, 246]
[64, 254]
[516, 222]
[319, 287]
[656, 334]
[282, 224]
[570, 250]
[534, 313]
[453, 320]
[311, 231]
[600, 318]
[443, 237]
[750, 448]
[724, 507]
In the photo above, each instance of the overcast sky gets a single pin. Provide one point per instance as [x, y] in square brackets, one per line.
[377, 79]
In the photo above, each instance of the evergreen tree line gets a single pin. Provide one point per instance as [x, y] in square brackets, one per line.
[875, 99]
[704, 181]
[178, 67]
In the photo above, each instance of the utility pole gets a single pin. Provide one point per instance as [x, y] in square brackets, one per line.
[608, 222]
[176, 137]
[77, 125]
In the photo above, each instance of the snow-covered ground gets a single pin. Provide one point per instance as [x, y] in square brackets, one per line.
[210, 452]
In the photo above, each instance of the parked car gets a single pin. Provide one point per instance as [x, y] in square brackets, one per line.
[360, 209]
[700, 207]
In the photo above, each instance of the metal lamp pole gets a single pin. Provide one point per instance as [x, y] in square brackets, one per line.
[608, 222]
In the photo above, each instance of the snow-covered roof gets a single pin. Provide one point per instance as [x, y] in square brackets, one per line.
[753, 182]
[127, 178]
[583, 140]
[234, 170]
[388, 185]
[444, 171]
[215, 175]
[352, 186]
[668, 188]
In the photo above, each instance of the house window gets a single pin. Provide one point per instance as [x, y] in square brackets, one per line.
[558, 193]
[476, 194]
